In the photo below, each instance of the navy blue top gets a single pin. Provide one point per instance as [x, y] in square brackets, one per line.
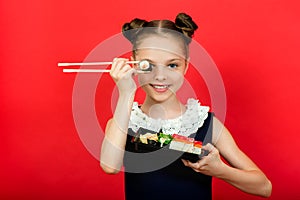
[170, 179]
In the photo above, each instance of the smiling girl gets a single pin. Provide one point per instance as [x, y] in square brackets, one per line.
[165, 45]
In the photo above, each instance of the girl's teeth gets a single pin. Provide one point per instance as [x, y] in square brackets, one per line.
[159, 86]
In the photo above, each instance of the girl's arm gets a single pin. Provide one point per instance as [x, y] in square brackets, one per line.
[113, 145]
[241, 173]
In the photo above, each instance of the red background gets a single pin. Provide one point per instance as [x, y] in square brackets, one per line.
[255, 45]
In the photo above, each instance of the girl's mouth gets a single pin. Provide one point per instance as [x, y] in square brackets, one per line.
[160, 88]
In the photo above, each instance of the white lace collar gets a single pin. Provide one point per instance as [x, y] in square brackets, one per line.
[186, 124]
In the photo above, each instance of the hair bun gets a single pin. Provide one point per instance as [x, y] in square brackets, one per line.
[186, 24]
[131, 29]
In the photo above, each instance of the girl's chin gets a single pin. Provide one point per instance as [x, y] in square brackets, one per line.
[160, 97]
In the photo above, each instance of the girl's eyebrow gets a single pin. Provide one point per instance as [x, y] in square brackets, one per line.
[147, 59]
[174, 59]
[170, 60]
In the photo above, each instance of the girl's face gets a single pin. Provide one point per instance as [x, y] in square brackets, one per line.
[167, 57]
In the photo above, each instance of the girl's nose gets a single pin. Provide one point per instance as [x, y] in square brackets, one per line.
[160, 73]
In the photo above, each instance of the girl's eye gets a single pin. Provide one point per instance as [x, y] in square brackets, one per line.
[172, 66]
[151, 65]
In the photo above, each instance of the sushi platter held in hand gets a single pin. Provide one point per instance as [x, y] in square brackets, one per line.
[148, 142]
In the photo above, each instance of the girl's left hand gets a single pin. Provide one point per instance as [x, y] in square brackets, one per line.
[211, 164]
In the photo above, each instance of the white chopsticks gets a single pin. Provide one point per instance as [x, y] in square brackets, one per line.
[91, 63]
[86, 70]
[98, 70]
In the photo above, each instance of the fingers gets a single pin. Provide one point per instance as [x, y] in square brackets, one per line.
[205, 163]
[211, 149]
[121, 69]
[117, 65]
[131, 72]
[185, 162]
[195, 166]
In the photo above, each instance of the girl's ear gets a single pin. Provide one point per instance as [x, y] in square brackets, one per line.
[187, 61]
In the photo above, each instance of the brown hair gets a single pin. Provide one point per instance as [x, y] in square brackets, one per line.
[183, 27]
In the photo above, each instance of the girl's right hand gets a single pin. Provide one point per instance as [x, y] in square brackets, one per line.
[122, 73]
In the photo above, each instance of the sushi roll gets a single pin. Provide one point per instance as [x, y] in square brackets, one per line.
[197, 147]
[144, 65]
[178, 142]
[188, 145]
[185, 144]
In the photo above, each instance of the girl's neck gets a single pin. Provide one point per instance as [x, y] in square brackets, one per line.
[168, 109]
